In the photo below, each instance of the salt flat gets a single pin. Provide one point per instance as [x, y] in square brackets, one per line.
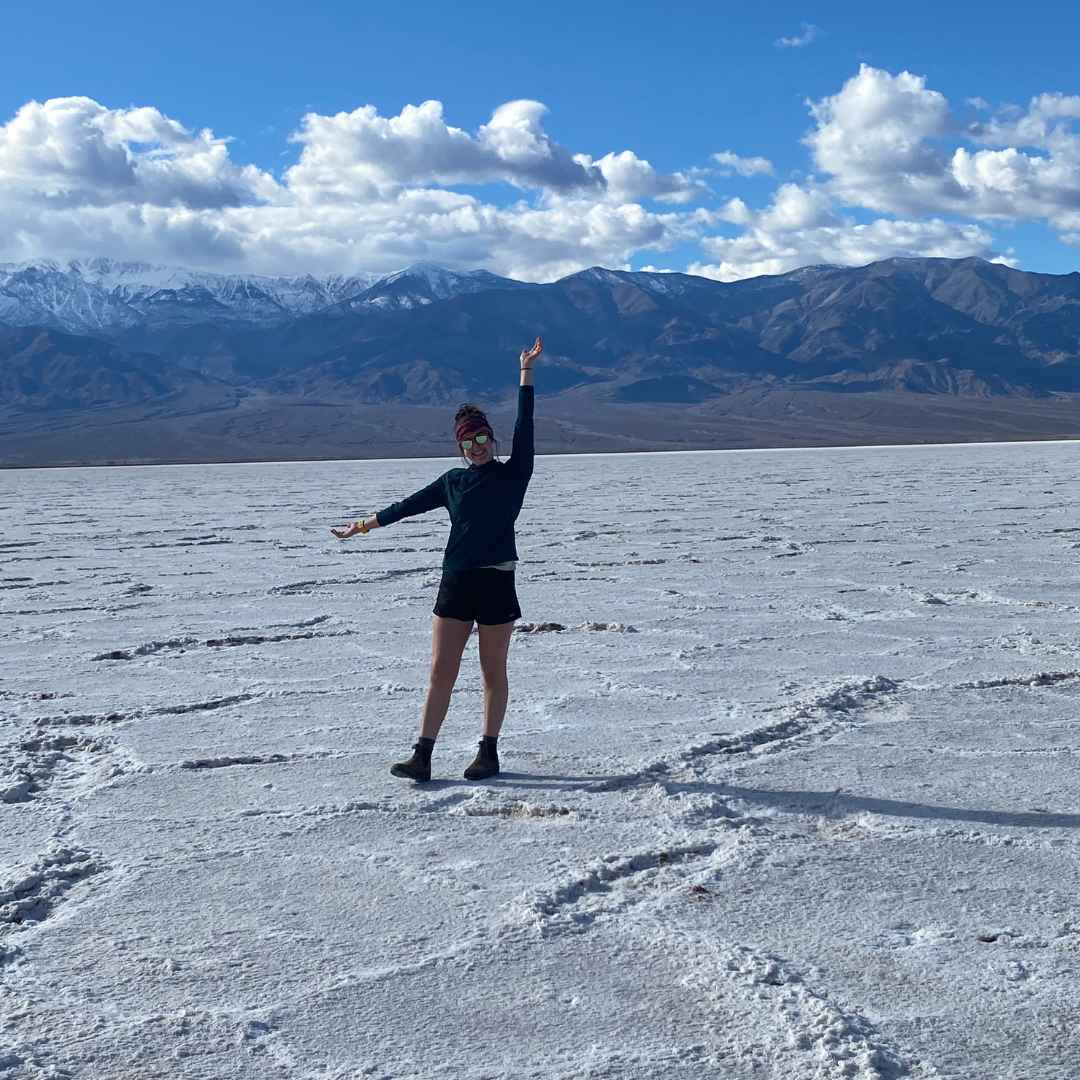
[791, 793]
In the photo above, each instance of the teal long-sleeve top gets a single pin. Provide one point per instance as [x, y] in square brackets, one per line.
[483, 500]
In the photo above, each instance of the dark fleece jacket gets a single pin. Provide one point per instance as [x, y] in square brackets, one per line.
[483, 500]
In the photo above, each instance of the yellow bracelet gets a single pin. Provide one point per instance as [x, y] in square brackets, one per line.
[362, 527]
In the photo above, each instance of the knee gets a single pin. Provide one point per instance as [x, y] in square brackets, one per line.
[444, 673]
[494, 679]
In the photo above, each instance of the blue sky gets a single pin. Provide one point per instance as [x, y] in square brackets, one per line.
[673, 87]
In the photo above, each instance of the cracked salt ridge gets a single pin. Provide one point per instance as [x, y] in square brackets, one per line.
[31, 583]
[35, 762]
[367, 579]
[35, 558]
[1042, 678]
[202, 706]
[34, 695]
[227, 761]
[840, 1043]
[482, 803]
[196, 543]
[53, 611]
[488, 804]
[94, 719]
[232, 640]
[980, 596]
[32, 897]
[549, 910]
[845, 699]
[554, 627]
[485, 802]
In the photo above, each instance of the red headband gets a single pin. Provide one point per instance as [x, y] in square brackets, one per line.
[471, 425]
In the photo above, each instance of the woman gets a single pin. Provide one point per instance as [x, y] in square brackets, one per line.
[484, 500]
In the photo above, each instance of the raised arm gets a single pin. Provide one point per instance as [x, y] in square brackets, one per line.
[522, 452]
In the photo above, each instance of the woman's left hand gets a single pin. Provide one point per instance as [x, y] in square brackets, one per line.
[529, 355]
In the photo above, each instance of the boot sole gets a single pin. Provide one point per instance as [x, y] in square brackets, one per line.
[394, 771]
[481, 776]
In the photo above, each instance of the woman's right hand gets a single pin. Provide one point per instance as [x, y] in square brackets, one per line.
[529, 355]
[349, 530]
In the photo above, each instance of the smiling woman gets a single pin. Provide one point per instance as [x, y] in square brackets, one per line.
[476, 440]
[483, 500]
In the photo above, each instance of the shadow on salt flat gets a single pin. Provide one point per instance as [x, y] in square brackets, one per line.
[839, 803]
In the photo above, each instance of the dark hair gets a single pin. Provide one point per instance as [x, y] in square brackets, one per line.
[469, 412]
[474, 412]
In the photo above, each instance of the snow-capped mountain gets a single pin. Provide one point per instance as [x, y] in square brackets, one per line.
[657, 282]
[105, 295]
[163, 343]
[425, 283]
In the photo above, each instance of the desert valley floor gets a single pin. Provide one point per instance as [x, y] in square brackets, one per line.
[790, 790]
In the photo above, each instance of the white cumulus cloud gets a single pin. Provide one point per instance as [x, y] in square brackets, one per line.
[809, 34]
[73, 151]
[367, 192]
[730, 162]
[361, 155]
[890, 143]
[762, 252]
[803, 227]
[374, 192]
[628, 177]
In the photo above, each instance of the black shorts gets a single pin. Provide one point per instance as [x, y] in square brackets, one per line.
[485, 595]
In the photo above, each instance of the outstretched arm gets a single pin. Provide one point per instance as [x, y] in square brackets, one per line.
[425, 499]
[428, 498]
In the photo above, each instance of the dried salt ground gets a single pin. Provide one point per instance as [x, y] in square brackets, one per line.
[791, 771]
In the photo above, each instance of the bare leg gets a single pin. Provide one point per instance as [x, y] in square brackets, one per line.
[448, 638]
[494, 645]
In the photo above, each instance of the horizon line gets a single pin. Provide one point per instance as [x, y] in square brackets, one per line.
[579, 454]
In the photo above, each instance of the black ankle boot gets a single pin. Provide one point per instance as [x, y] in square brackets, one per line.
[418, 767]
[486, 762]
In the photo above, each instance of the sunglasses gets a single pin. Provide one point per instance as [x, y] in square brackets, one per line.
[480, 440]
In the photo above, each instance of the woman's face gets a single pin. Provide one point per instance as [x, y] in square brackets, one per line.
[477, 453]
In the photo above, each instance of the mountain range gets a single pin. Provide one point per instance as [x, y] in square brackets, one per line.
[87, 346]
